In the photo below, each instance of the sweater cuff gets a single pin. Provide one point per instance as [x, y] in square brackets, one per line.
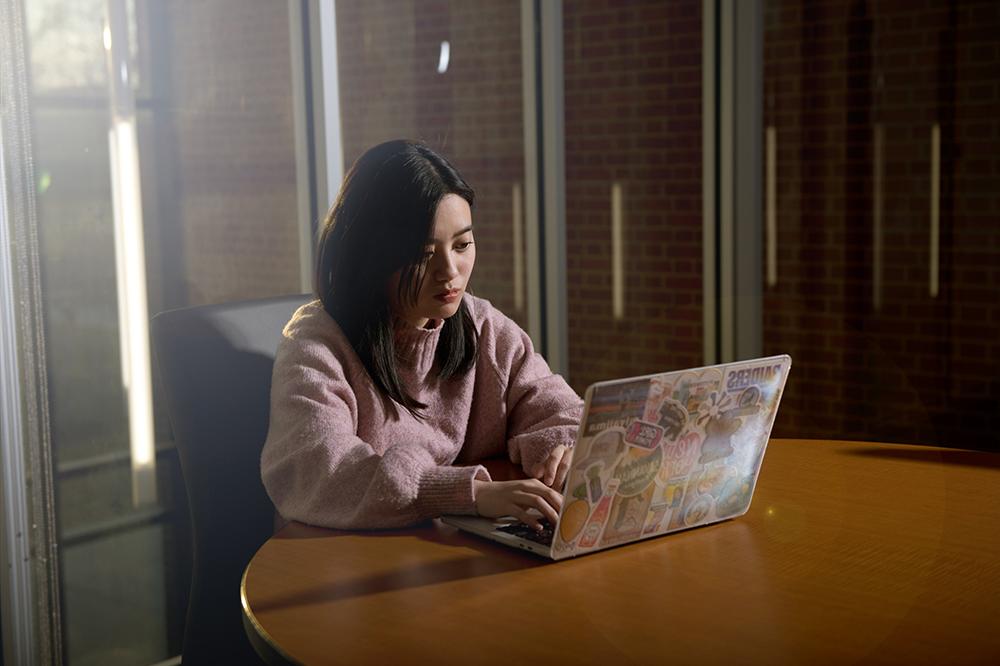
[448, 490]
[535, 447]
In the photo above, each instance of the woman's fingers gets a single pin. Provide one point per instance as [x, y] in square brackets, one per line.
[526, 517]
[541, 498]
[562, 471]
[547, 471]
[551, 465]
[540, 505]
[558, 468]
[526, 500]
[552, 496]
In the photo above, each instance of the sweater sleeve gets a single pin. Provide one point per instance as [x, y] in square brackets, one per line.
[543, 411]
[318, 471]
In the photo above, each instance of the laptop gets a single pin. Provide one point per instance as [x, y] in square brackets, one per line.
[654, 455]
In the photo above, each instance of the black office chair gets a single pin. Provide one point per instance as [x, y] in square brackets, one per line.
[215, 362]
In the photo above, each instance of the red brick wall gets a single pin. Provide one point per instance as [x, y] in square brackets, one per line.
[390, 88]
[918, 368]
[633, 116]
[222, 196]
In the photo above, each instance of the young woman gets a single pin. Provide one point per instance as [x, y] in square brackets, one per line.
[391, 386]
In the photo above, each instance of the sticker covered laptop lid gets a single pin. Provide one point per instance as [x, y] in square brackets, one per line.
[668, 452]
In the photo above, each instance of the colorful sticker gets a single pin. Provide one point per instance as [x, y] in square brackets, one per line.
[595, 525]
[718, 404]
[594, 484]
[698, 511]
[749, 398]
[604, 449]
[734, 497]
[637, 470]
[660, 388]
[720, 422]
[712, 479]
[574, 517]
[761, 375]
[672, 417]
[616, 406]
[693, 388]
[628, 515]
[691, 495]
[643, 434]
[673, 492]
[655, 518]
[679, 457]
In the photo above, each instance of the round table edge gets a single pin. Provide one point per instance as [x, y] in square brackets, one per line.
[265, 646]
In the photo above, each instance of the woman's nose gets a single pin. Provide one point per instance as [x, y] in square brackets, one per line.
[447, 268]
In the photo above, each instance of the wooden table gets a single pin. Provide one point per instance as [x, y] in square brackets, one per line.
[851, 552]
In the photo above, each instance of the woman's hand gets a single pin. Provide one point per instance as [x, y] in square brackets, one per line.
[495, 499]
[552, 470]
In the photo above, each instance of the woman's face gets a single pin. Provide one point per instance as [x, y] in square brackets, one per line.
[448, 260]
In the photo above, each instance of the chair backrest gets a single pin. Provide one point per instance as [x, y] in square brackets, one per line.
[215, 362]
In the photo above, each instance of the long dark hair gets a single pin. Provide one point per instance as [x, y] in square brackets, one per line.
[380, 224]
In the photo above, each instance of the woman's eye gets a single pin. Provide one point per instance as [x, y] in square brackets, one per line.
[462, 247]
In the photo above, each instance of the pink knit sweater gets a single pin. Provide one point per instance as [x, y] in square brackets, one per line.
[336, 457]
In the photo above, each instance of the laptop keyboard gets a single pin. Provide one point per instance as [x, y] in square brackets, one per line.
[525, 531]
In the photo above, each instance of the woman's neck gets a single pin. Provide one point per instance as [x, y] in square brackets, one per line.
[429, 324]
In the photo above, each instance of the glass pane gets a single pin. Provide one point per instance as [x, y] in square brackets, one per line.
[222, 133]
[884, 126]
[633, 187]
[76, 241]
[447, 73]
[216, 164]
[67, 50]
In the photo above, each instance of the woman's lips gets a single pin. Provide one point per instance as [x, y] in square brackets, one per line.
[448, 296]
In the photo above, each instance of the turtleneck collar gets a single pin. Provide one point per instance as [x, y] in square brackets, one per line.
[416, 347]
